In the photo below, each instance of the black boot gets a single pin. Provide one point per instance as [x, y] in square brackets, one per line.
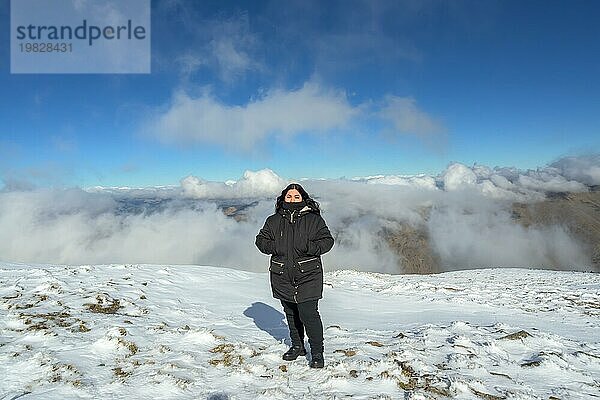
[317, 361]
[293, 353]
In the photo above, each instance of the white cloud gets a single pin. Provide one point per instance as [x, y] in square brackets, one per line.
[407, 118]
[253, 184]
[228, 48]
[585, 168]
[419, 181]
[458, 176]
[469, 234]
[550, 182]
[231, 60]
[206, 120]
[282, 114]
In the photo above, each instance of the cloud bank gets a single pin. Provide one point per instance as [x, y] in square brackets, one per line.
[464, 210]
[585, 169]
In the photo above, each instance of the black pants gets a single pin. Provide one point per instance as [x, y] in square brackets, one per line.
[302, 316]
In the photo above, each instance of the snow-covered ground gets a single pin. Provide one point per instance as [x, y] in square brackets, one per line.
[181, 331]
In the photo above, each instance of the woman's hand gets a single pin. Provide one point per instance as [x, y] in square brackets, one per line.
[313, 249]
[322, 241]
[265, 240]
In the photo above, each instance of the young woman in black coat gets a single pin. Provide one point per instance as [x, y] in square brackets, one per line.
[296, 236]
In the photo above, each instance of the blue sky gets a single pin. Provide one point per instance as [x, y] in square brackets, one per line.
[315, 89]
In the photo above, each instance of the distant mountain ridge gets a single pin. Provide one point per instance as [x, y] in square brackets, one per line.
[578, 212]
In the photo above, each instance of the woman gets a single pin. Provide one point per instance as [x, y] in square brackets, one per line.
[296, 236]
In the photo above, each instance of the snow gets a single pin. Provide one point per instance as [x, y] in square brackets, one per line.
[129, 331]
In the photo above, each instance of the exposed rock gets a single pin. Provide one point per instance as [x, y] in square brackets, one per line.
[517, 335]
[578, 212]
[414, 249]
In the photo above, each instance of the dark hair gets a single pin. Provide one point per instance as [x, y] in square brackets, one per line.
[312, 203]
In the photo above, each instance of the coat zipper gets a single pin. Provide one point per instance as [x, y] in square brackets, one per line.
[310, 259]
[295, 287]
[277, 262]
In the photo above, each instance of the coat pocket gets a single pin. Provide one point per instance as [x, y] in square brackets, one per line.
[276, 267]
[309, 264]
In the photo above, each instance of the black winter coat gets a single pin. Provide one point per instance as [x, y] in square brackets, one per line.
[295, 240]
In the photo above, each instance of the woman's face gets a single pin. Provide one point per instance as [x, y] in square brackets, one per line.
[293, 196]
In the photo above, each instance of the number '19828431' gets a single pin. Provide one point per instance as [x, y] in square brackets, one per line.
[46, 47]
